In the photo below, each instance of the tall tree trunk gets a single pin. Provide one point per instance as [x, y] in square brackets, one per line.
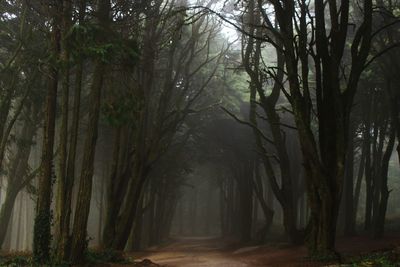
[285, 192]
[19, 228]
[368, 166]
[65, 210]
[137, 232]
[368, 189]
[78, 240]
[383, 194]
[349, 224]
[113, 200]
[246, 201]
[324, 206]
[101, 207]
[267, 209]
[61, 201]
[130, 209]
[380, 211]
[360, 174]
[79, 235]
[5, 212]
[41, 231]
[382, 126]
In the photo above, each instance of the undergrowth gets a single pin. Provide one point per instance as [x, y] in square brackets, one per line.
[106, 256]
[93, 257]
[377, 259]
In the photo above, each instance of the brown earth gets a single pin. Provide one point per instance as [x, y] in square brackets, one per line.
[214, 252]
[211, 252]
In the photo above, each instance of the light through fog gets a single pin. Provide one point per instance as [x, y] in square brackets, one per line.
[199, 133]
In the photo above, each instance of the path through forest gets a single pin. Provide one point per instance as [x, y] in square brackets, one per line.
[194, 252]
[212, 252]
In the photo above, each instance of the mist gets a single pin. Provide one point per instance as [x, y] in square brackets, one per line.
[199, 133]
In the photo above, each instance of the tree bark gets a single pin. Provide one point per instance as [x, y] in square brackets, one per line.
[267, 210]
[41, 231]
[79, 235]
[383, 194]
[360, 174]
[246, 201]
[349, 224]
[61, 200]
[78, 240]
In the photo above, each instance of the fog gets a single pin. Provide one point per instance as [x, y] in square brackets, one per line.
[203, 132]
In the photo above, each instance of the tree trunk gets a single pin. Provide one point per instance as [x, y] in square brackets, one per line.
[79, 235]
[349, 223]
[324, 211]
[360, 175]
[18, 168]
[368, 170]
[127, 216]
[5, 213]
[382, 124]
[246, 202]
[65, 210]
[61, 201]
[101, 207]
[380, 212]
[41, 231]
[113, 205]
[78, 241]
[383, 194]
[267, 209]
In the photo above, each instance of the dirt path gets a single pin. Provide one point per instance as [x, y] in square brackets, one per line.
[209, 252]
[212, 252]
[193, 252]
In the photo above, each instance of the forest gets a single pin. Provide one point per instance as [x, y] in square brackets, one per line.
[184, 133]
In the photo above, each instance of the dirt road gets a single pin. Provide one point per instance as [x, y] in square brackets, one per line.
[212, 252]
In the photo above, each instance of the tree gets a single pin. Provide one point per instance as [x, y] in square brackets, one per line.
[254, 66]
[161, 105]
[42, 234]
[68, 156]
[78, 241]
[314, 37]
[20, 87]
[19, 173]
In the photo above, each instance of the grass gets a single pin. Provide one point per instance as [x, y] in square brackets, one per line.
[389, 258]
[96, 256]
[93, 257]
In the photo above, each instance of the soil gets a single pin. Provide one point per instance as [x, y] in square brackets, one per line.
[215, 252]
[211, 252]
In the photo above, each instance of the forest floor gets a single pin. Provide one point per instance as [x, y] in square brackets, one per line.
[215, 252]
[212, 252]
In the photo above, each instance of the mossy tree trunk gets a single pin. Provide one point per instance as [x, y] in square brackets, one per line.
[43, 216]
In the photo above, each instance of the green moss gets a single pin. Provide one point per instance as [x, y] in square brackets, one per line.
[42, 237]
[18, 260]
[378, 259]
[105, 256]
